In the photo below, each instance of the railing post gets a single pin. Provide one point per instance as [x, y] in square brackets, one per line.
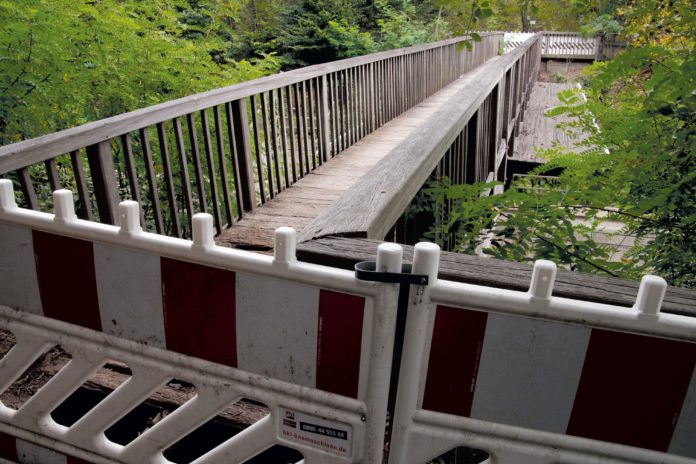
[241, 136]
[324, 114]
[373, 123]
[101, 166]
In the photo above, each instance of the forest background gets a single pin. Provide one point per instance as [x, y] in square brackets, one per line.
[66, 62]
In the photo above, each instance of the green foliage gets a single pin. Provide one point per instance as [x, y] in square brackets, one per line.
[400, 27]
[67, 62]
[313, 30]
[347, 40]
[637, 166]
[601, 25]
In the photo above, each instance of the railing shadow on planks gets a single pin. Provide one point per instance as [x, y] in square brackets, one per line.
[519, 376]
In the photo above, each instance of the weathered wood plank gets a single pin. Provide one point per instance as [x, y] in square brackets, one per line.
[52, 171]
[28, 191]
[371, 206]
[211, 171]
[81, 182]
[101, 168]
[243, 154]
[168, 179]
[197, 166]
[314, 194]
[345, 252]
[222, 164]
[183, 168]
[234, 157]
[539, 131]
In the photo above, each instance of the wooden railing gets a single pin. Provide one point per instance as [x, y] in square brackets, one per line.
[230, 149]
[467, 141]
[570, 45]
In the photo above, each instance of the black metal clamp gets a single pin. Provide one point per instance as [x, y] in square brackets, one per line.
[367, 270]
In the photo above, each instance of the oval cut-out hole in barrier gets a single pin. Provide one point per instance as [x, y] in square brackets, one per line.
[7, 342]
[167, 399]
[43, 369]
[462, 455]
[225, 425]
[100, 385]
[277, 454]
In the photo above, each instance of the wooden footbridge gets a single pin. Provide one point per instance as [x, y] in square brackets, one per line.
[286, 149]
[333, 150]
[251, 358]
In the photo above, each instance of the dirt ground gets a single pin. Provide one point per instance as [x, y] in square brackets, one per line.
[558, 71]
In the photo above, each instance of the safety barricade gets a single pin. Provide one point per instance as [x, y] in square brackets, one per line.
[516, 377]
[312, 343]
[512, 377]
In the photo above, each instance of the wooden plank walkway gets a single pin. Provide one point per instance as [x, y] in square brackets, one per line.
[300, 204]
[540, 131]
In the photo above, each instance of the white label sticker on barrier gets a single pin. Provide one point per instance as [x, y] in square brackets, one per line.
[334, 437]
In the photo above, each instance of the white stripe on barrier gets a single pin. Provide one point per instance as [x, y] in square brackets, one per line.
[19, 286]
[527, 363]
[29, 453]
[277, 320]
[130, 297]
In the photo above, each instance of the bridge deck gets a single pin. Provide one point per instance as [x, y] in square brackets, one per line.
[538, 131]
[305, 200]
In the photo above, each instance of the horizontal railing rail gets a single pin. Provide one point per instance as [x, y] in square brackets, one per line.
[227, 150]
[466, 140]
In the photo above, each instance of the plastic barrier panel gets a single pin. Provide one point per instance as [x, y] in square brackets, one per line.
[268, 323]
[525, 377]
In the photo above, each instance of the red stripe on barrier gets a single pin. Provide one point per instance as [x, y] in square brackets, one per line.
[199, 311]
[455, 353]
[632, 389]
[8, 447]
[339, 342]
[67, 281]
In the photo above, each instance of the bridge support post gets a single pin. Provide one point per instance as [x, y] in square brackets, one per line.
[101, 166]
[324, 114]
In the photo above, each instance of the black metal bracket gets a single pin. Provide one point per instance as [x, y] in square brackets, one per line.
[367, 270]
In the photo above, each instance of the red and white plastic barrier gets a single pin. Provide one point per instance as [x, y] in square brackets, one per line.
[286, 330]
[307, 325]
[523, 376]
[484, 367]
[24, 452]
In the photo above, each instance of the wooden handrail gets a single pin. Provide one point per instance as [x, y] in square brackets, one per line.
[252, 135]
[21, 154]
[372, 206]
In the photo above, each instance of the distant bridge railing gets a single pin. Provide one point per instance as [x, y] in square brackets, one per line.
[570, 45]
[227, 150]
